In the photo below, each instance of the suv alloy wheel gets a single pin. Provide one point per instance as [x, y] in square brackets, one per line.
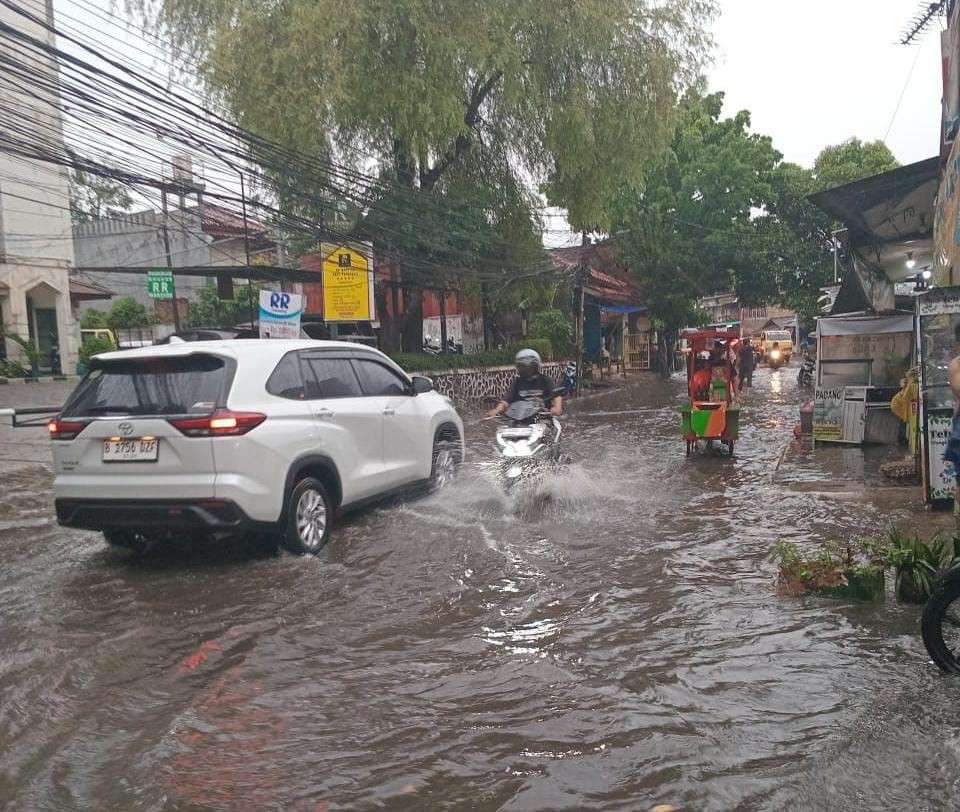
[309, 516]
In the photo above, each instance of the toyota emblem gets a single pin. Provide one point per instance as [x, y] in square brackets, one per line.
[126, 429]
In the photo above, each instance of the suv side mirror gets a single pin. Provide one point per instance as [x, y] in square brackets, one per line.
[421, 385]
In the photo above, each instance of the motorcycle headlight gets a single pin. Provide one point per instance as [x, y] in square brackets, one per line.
[774, 354]
[514, 471]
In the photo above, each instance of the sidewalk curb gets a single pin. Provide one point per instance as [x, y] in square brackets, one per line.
[45, 379]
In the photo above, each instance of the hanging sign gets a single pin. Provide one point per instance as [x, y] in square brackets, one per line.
[347, 286]
[160, 284]
[280, 314]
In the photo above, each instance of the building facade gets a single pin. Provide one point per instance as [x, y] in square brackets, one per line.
[36, 249]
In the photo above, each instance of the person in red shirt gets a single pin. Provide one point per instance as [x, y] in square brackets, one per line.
[700, 382]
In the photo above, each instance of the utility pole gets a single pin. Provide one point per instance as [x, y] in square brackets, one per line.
[246, 249]
[166, 249]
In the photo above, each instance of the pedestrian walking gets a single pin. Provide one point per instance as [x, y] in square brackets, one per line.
[748, 361]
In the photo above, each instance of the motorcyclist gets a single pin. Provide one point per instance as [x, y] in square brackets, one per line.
[530, 384]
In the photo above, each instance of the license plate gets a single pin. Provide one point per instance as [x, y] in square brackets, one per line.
[138, 449]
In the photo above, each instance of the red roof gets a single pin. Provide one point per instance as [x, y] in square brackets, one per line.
[607, 279]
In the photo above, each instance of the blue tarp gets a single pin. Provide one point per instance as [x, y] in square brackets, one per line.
[622, 309]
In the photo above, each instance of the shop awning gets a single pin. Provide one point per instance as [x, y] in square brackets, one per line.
[858, 324]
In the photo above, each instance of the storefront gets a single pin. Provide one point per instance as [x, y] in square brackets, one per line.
[862, 360]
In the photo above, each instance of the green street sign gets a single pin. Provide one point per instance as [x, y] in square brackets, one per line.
[160, 284]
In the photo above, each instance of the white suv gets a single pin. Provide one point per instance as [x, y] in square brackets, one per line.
[222, 436]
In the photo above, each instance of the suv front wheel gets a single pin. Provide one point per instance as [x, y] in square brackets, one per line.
[309, 516]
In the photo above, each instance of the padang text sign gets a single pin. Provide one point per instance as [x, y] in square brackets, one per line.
[828, 414]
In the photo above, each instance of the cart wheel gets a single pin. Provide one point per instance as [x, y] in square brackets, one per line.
[730, 446]
[689, 447]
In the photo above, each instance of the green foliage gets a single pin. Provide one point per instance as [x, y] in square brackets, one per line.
[918, 563]
[556, 327]
[847, 570]
[94, 346]
[94, 196]
[691, 228]
[93, 319]
[851, 161]
[721, 211]
[209, 310]
[127, 313]
[34, 356]
[11, 369]
[581, 98]
[425, 362]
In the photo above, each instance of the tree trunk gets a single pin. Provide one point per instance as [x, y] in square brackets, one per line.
[411, 328]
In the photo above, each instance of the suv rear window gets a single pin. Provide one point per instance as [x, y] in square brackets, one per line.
[192, 384]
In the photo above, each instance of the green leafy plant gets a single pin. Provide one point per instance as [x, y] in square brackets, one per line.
[11, 369]
[34, 356]
[556, 327]
[127, 313]
[918, 563]
[94, 346]
[93, 319]
[845, 570]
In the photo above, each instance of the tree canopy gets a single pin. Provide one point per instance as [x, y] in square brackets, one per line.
[851, 161]
[578, 96]
[94, 196]
[723, 212]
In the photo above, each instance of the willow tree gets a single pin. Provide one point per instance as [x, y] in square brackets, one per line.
[572, 98]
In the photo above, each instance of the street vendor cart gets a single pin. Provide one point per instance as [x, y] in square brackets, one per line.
[711, 413]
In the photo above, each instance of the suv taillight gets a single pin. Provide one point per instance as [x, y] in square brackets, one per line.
[64, 429]
[223, 423]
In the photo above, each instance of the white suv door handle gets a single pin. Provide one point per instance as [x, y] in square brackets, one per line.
[388, 410]
[324, 413]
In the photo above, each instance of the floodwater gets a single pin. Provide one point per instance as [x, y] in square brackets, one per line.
[621, 646]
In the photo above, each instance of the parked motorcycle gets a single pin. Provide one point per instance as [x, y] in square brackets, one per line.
[805, 375]
[528, 444]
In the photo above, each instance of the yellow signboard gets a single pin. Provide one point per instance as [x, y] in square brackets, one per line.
[347, 288]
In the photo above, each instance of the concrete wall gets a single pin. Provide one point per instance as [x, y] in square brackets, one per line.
[473, 388]
[137, 240]
[36, 247]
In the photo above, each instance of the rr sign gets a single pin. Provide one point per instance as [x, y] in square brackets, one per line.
[160, 284]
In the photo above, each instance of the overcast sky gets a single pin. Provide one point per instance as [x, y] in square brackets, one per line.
[818, 72]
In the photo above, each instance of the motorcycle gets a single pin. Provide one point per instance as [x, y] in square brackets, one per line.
[938, 623]
[775, 359]
[528, 444]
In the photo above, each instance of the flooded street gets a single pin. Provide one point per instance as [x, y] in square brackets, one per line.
[620, 646]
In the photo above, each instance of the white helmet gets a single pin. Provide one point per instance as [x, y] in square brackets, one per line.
[527, 363]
